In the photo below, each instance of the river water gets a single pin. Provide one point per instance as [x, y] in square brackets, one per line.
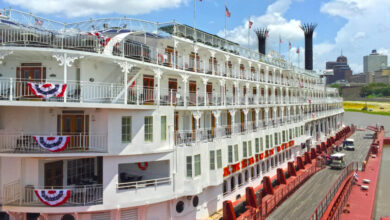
[382, 202]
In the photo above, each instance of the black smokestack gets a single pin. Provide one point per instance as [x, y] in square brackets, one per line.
[308, 29]
[262, 34]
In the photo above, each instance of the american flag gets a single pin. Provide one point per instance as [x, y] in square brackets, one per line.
[289, 45]
[250, 24]
[298, 50]
[280, 40]
[227, 12]
[38, 22]
[266, 34]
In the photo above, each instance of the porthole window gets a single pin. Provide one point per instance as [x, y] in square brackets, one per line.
[195, 201]
[179, 207]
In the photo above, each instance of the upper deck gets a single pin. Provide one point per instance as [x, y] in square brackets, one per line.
[24, 29]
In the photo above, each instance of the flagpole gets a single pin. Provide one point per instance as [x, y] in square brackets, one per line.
[225, 18]
[195, 20]
[299, 58]
[249, 20]
[280, 42]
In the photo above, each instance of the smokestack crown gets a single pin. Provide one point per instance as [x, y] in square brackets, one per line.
[262, 34]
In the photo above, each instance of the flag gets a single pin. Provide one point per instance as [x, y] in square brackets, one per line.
[250, 24]
[280, 40]
[38, 22]
[298, 50]
[289, 45]
[227, 12]
[266, 34]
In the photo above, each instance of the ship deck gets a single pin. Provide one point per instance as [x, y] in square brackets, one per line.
[304, 201]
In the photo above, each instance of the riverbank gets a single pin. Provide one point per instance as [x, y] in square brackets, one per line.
[376, 108]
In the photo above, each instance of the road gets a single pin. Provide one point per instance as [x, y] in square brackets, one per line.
[303, 202]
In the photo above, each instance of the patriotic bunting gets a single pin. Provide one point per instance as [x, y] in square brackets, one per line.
[52, 197]
[47, 90]
[52, 143]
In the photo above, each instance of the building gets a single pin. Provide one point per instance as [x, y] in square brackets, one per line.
[341, 69]
[374, 62]
[136, 120]
[364, 78]
[382, 75]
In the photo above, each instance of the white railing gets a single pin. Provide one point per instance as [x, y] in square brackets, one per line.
[25, 143]
[15, 194]
[144, 183]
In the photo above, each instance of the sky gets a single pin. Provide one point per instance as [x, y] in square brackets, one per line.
[353, 27]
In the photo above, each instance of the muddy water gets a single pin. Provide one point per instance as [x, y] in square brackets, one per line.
[382, 202]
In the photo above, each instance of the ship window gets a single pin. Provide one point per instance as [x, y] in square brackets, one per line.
[197, 165]
[290, 134]
[263, 167]
[126, 129]
[276, 138]
[272, 162]
[67, 217]
[252, 172]
[195, 201]
[224, 186]
[257, 145]
[244, 150]
[163, 128]
[261, 145]
[148, 132]
[267, 141]
[249, 148]
[219, 159]
[239, 179]
[258, 170]
[180, 207]
[189, 166]
[232, 184]
[230, 154]
[80, 171]
[236, 152]
[212, 160]
[246, 176]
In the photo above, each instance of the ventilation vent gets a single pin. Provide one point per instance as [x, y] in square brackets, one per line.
[101, 216]
[129, 214]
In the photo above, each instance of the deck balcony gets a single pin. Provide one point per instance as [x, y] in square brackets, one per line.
[24, 143]
[16, 194]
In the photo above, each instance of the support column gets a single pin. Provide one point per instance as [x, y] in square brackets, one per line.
[223, 94]
[65, 60]
[185, 81]
[217, 114]
[206, 101]
[257, 117]
[246, 119]
[197, 115]
[196, 48]
[257, 94]
[266, 75]
[266, 116]
[247, 92]
[158, 73]
[232, 114]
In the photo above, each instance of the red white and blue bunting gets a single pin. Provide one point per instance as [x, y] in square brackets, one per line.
[52, 143]
[47, 90]
[52, 197]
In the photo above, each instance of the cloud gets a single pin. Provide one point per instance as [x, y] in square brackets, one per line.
[278, 26]
[366, 28]
[76, 8]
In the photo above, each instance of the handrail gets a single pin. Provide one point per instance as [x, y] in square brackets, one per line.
[323, 205]
[143, 183]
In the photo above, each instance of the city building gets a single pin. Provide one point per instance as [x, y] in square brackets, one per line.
[374, 62]
[364, 78]
[341, 70]
[126, 119]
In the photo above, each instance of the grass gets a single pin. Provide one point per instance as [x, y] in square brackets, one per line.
[378, 108]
